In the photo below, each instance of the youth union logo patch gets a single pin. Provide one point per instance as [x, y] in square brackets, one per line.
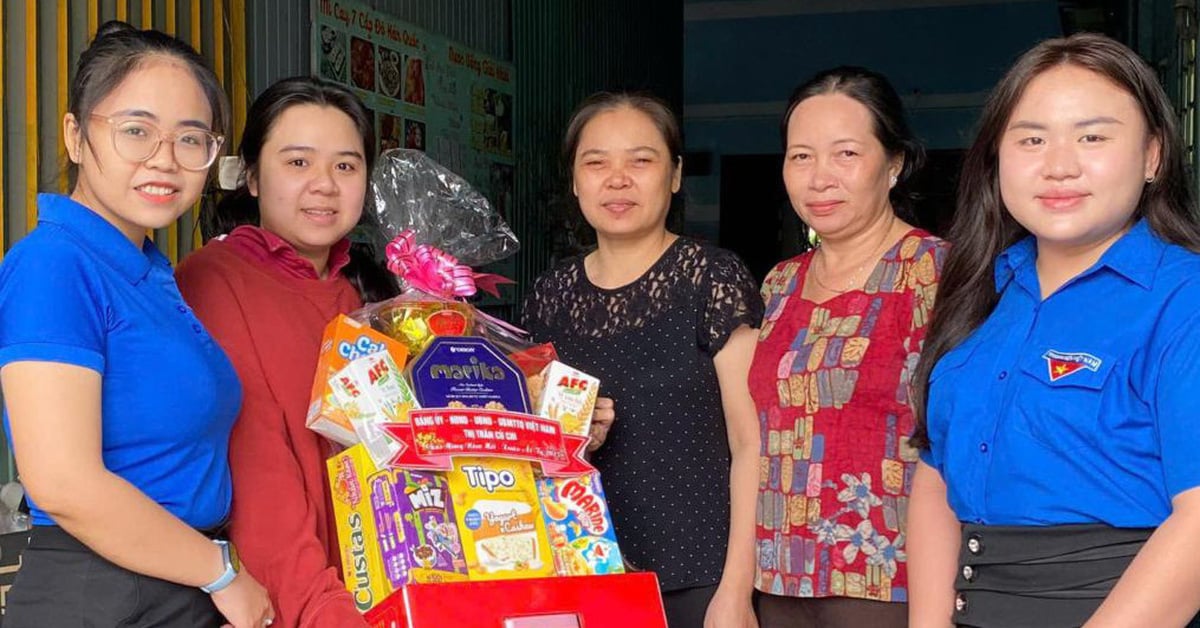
[1064, 364]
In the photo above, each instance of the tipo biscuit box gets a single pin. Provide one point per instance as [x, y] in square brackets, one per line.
[345, 340]
[580, 526]
[468, 372]
[394, 527]
[504, 536]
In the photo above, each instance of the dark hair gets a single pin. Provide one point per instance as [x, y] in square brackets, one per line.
[982, 227]
[873, 91]
[116, 51]
[373, 281]
[654, 108]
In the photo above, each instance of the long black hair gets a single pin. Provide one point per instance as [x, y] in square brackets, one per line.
[873, 91]
[117, 50]
[373, 281]
[982, 227]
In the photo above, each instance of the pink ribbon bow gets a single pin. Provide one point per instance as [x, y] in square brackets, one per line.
[434, 271]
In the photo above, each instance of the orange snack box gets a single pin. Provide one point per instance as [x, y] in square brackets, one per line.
[345, 339]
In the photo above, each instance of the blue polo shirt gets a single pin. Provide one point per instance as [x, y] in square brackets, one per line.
[77, 291]
[1082, 408]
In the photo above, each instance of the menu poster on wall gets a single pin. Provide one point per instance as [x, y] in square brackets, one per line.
[425, 92]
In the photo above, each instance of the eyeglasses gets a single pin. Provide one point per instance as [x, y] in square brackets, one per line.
[137, 140]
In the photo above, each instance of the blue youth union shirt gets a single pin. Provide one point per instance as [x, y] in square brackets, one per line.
[77, 291]
[1082, 408]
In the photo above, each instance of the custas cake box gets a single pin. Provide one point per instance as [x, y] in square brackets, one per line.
[395, 527]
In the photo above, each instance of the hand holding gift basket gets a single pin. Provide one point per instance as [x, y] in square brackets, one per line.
[464, 473]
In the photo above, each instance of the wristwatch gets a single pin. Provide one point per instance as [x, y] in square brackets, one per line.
[232, 567]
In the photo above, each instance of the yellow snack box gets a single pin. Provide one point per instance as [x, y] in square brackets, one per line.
[394, 527]
[345, 340]
[500, 519]
[569, 397]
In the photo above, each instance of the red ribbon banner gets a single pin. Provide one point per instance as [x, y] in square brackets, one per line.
[433, 435]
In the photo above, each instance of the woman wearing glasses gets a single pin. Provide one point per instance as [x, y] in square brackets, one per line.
[118, 403]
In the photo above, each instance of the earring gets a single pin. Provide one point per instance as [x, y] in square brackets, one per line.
[1149, 179]
[893, 181]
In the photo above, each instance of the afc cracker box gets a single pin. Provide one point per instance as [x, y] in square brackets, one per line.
[568, 396]
[495, 502]
[345, 340]
[394, 527]
[580, 526]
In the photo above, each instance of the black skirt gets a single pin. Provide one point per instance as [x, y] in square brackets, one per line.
[1040, 577]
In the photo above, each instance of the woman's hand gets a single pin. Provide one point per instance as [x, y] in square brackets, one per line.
[244, 603]
[602, 420]
[729, 609]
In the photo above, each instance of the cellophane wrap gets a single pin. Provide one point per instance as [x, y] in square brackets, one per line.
[415, 192]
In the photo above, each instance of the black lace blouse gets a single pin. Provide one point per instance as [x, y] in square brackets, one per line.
[665, 464]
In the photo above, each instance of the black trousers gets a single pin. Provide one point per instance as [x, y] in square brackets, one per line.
[63, 584]
[685, 608]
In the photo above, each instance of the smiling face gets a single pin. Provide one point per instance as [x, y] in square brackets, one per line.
[152, 194]
[836, 171]
[311, 179]
[1074, 158]
[624, 174]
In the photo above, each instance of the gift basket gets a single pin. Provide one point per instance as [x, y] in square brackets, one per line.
[464, 470]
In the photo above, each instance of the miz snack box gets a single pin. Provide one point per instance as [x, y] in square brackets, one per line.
[394, 527]
[496, 505]
[345, 340]
[580, 526]
[468, 372]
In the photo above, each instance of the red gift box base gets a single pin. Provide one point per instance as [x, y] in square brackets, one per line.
[615, 601]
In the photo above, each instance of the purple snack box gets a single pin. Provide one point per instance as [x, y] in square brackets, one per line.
[430, 529]
[415, 525]
[469, 372]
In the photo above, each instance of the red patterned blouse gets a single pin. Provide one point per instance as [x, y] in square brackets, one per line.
[830, 383]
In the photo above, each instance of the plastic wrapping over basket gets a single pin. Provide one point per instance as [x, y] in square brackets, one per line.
[415, 192]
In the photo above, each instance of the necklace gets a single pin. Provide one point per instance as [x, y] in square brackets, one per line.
[853, 281]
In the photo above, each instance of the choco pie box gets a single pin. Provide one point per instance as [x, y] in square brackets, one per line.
[345, 340]
[394, 527]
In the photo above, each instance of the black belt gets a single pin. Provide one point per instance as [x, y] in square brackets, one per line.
[1044, 577]
[54, 537]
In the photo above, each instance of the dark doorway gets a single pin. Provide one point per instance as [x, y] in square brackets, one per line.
[757, 221]
[759, 224]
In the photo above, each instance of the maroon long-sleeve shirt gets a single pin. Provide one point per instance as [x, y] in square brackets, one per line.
[267, 308]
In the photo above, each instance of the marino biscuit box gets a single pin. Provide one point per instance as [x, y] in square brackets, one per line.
[495, 502]
[580, 526]
[394, 527]
[345, 340]
[468, 372]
